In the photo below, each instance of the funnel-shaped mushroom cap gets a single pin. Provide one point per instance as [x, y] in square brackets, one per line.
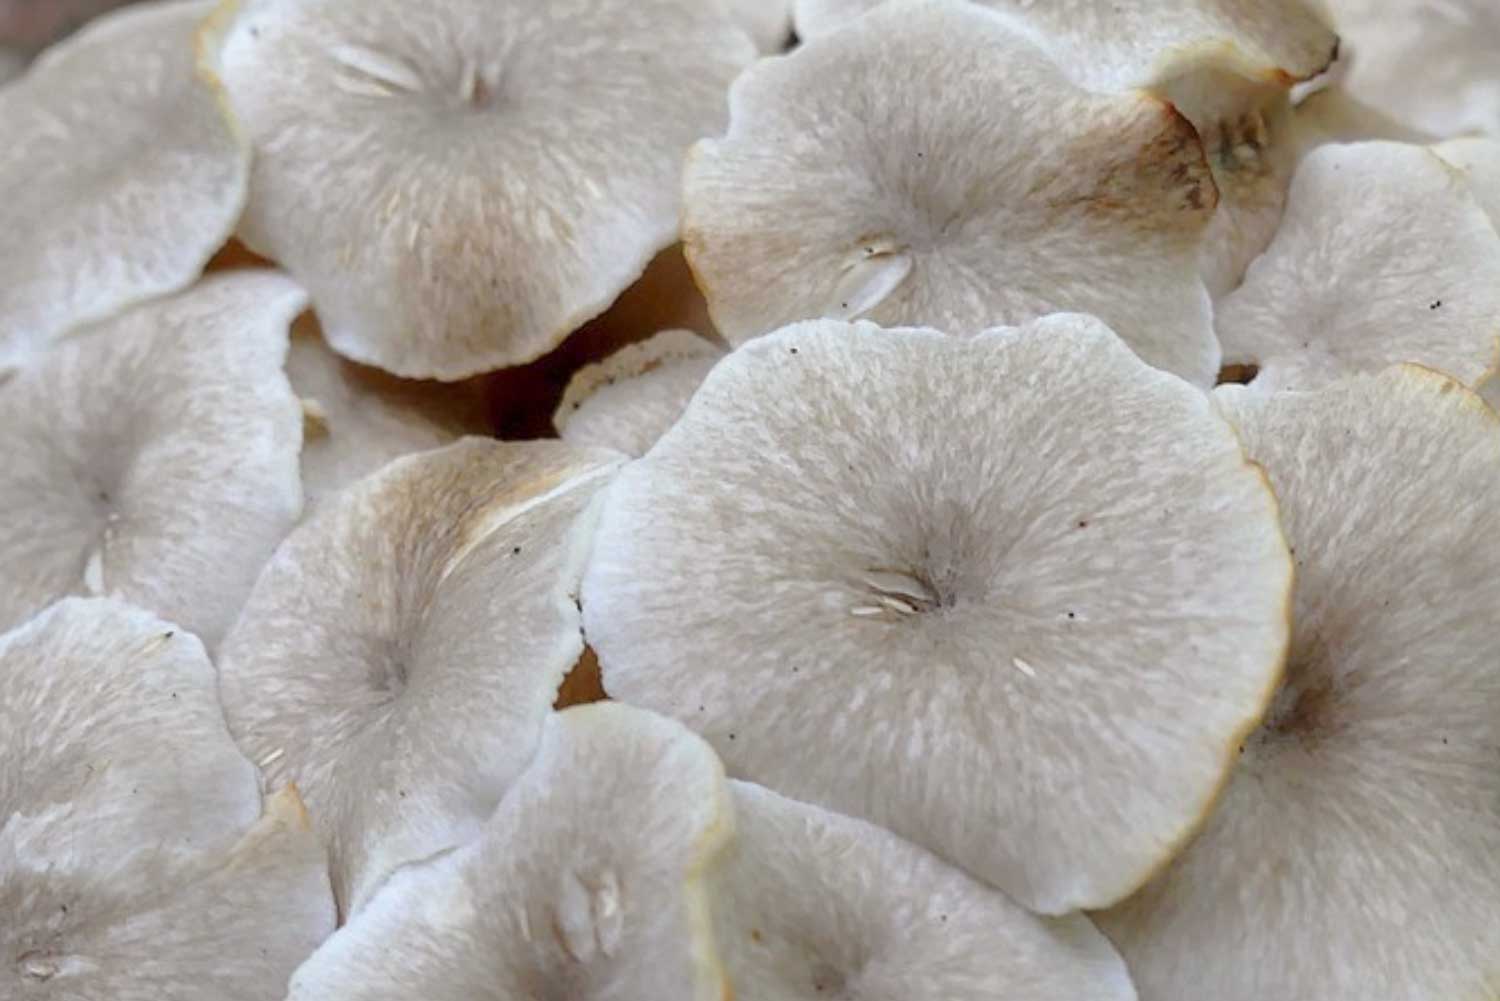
[1384, 256]
[1025, 628]
[356, 419]
[1359, 842]
[462, 183]
[631, 398]
[1226, 65]
[1480, 160]
[986, 189]
[1433, 65]
[769, 22]
[125, 869]
[153, 457]
[403, 646]
[809, 904]
[120, 175]
[586, 884]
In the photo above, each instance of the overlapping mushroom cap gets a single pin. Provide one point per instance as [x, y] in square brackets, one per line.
[132, 865]
[462, 183]
[1479, 159]
[1431, 64]
[153, 456]
[356, 419]
[400, 652]
[1385, 256]
[1015, 597]
[809, 904]
[985, 189]
[1123, 46]
[1356, 854]
[586, 884]
[631, 398]
[120, 175]
[1227, 65]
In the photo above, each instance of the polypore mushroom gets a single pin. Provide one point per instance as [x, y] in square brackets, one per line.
[1025, 629]
[986, 189]
[1228, 65]
[402, 648]
[587, 883]
[1384, 256]
[357, 419]
[1430, 64]
[809, 904]
[631, 398]
[120, 175]
[463, 185]
[1356, 854]
[153, 457]
[132, 864]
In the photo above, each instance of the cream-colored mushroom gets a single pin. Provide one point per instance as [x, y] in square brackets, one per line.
[402, 649]
[1025, 628]
[987, 189]
[1356, 855]
[120, 174]
[1385, 256]
[153, 456]
[132, 863]
[630, 399]
[461, 185]
[586, 884]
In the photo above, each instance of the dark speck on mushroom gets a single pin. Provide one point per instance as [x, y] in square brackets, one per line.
[1435, 304]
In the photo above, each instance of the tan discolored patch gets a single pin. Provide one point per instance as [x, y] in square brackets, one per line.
[1158, 173]
[583, 684]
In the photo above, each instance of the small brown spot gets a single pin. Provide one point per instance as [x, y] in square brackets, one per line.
[583, 684]
[1238, 374]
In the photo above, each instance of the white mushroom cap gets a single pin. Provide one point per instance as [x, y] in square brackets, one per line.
[1124, 46]
[1227, 65]
[631, 398]
[844, 191]
[1480, 161]
[1384, 256]
[1025, 629]
[461, 184]
[153, 457]
[401, 649]
[1332, 115]
[769, 22]
[1432, 65]
[125, 869]
[357, 419]
[809, 904]
[586, 884]
[120, 175]
[1356, 854]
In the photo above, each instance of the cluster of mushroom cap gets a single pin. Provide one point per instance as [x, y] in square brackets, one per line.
[957, 639]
